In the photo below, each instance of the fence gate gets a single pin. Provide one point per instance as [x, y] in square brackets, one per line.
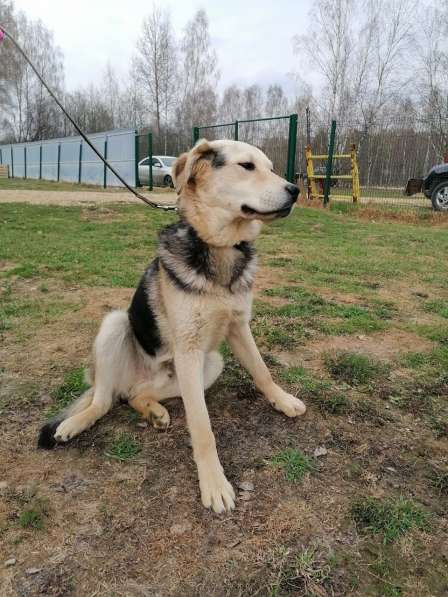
[276, 137]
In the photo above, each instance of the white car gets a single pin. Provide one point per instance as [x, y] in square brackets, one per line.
[161, 170]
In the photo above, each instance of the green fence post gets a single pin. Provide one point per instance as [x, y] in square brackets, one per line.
[58, 171]
[12, 163]
[105, 167]
[80, 163]
[1, 156]
[235, 135]
[292, 146]
[150, 181]
[24, 161]
[329, 168]
[195, 134]
[137, 152]
[40, 162]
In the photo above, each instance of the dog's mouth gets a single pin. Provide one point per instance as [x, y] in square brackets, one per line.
[255, 214]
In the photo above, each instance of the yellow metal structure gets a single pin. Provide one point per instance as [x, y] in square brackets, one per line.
[311, 177]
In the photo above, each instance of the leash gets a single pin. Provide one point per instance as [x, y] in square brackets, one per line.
[4, 33]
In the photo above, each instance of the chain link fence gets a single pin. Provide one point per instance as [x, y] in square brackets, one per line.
[389, 153]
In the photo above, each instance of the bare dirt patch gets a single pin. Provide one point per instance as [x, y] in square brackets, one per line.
[382, 345]
[83, 197]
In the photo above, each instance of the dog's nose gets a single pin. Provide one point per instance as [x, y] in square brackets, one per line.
[293, 191]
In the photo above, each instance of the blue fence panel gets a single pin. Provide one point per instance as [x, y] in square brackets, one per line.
[18, 152]
[121, 155]
[120, 152]
[50, 161]
[92, 168]
[33, 160]
[5, 153]
[69, 164]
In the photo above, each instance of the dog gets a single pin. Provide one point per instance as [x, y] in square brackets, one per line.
[196, 293]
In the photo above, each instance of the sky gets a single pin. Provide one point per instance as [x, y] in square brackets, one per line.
[253, 39]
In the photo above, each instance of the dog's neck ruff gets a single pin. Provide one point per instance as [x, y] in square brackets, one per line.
[195, 266]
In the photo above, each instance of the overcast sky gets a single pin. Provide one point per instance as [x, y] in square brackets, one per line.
[252, 38]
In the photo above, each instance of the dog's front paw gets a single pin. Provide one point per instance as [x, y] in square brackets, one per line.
[285, 403]
[216, 492]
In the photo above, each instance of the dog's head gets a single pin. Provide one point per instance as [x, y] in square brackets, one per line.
[227, 189]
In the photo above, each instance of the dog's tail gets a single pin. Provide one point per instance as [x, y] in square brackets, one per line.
[113, 370]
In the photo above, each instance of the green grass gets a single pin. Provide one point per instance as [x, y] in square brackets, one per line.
[436, 333]
[33, 517]
[440, 307]
[69, 244]
[384, 571]
[302, 573]
[354, 368]
[439, 479]
[294, 464]
[71, 388]
[425, 392]
[308, 309]
[436, 360]
[347, 254]
[389, 518]
[124, 447]
[316, 391]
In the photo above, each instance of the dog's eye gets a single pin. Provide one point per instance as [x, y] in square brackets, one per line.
[247, 165]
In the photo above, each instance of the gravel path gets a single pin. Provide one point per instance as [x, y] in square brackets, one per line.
[81, 197]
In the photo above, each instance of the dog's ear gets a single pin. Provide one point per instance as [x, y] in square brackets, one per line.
[189, 167]
[204, 151]
[179, 171]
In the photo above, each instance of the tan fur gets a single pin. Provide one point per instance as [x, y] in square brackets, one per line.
[213, 189]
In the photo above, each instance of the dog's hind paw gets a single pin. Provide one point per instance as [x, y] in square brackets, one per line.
[159, 416]
[46, 439]
[287, 404]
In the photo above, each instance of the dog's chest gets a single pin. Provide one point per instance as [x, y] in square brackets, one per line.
[212, 316]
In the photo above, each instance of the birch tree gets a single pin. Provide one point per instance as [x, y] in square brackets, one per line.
[155, 66]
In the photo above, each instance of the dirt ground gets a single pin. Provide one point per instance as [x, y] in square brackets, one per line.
[162, 196]
[136, 527]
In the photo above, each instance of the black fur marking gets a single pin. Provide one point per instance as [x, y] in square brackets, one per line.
[217, 159]
[182, 241]
[141, 316]
[183, 253]
[177, 281]
[247, 249]
[46, 439]
[248, 253]
[198, 256]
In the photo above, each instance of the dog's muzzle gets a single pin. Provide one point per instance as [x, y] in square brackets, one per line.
[281, 212]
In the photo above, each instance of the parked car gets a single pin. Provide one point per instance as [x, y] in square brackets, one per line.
[161, 170]
[434, 186]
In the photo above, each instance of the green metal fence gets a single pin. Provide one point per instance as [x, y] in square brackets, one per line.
[149, 144]
[143, 151]
[276, 136]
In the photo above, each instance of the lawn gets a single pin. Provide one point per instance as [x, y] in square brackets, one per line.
[351, 499]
